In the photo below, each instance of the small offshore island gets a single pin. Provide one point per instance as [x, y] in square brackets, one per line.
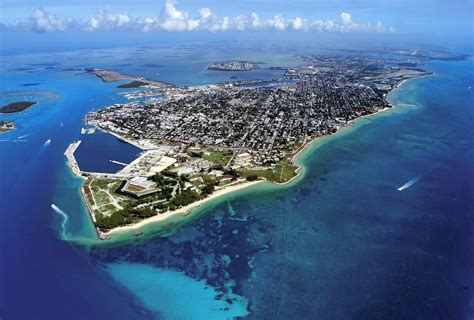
[15, 107]
[204, 141]
[232, 66]
[6, 126]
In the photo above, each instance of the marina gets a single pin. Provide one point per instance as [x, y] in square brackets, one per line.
[104, 147]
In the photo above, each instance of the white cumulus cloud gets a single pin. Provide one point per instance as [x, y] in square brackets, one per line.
[171, 19]
[106, 20]
[42, 21]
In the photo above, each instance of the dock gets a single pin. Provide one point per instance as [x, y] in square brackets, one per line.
[119, 163]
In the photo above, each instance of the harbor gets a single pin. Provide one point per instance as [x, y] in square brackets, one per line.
[104, 153]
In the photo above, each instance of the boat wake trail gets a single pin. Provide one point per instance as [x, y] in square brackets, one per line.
[410, 183]
[47, 143]
[65, 219]
[17, 140]
[23, 136]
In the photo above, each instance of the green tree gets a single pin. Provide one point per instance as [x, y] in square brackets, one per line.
[252, 177]
[208, 189]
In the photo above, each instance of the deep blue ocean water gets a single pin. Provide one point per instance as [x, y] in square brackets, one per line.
[340, 243]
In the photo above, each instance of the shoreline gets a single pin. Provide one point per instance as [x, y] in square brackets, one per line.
[99, 234]
[186, 210]
[229, 189]
[113, 76]
[71, 159]
[308, 146]
[7, 130]
[295, 159]
[22, 106]
[127, 140]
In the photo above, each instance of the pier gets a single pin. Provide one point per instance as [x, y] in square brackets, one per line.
[69, 153]
[119, 163]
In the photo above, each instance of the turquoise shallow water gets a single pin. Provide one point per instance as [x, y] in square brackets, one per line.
[173, 295]
[342, 242]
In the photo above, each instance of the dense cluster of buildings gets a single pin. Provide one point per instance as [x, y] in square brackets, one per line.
[267, 123]
[205, 138]
[231, 66]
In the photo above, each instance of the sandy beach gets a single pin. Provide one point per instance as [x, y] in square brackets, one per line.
[184, 210]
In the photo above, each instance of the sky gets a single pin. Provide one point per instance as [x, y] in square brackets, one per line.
[435, 19]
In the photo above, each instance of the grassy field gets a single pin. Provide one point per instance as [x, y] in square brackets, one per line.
[112, 209]
[281, 173]
[220, 157]
[101, 196]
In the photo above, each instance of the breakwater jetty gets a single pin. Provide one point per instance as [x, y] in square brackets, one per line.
[72, 163]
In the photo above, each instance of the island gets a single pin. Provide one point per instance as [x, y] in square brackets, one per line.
[113, 76]
[201, 142]
[232, 66]
[134, 84]
[15, 107]
[6, 126]
[423, 54]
